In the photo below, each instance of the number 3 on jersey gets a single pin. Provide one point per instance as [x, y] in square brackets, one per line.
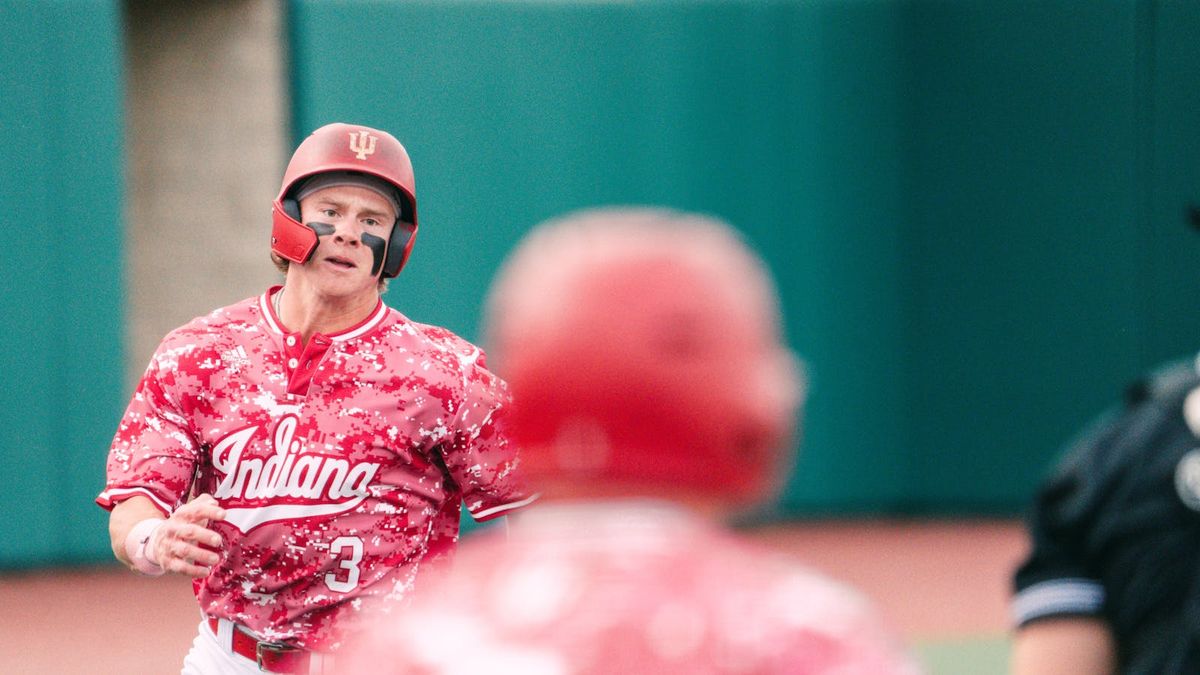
[349, 563]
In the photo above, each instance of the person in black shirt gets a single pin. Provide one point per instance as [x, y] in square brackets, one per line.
[1112, 583]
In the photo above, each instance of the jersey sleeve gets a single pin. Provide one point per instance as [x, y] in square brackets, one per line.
[1057, 579]
[1081, 510]
[479, 456]
[154, 452]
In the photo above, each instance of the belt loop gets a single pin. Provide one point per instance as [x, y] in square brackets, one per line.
[225, 634]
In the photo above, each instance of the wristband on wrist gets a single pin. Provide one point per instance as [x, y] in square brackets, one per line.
[138, 547]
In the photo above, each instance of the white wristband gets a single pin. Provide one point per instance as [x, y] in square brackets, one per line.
[139, 549]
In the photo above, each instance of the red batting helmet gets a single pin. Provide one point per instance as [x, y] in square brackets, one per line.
[643, 350]
[354, 148]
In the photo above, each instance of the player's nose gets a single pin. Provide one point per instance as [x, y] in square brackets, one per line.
[347, 232]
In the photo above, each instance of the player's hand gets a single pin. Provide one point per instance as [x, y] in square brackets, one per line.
[184, 544]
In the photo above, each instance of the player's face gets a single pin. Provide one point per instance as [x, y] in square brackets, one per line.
[352, 222]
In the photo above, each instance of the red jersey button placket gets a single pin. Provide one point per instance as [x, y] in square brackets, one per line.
[302, 362]
[292, 351]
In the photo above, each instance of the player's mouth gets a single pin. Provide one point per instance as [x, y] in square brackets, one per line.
[340, 262]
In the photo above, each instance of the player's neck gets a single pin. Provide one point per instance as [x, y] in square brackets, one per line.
[305, 310]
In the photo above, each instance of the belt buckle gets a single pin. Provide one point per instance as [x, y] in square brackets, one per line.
[273, 648]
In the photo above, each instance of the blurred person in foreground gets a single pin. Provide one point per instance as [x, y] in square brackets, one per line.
[1111, 583]
[653, 399]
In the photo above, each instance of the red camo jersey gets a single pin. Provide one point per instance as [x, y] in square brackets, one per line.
[634, 587]
[341, 465]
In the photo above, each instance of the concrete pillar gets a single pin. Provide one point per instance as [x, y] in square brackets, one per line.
[207, 139]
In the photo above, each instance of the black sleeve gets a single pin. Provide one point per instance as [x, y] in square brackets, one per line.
[1058, 579]
[1108, 514]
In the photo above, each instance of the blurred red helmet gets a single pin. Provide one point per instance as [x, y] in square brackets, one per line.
[644, 350]
[353, 148]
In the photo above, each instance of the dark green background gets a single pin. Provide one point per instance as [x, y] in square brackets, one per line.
[783, 118]
[61, 315]
[975, 210]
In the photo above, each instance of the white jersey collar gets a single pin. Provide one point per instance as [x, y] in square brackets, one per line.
[361, 328]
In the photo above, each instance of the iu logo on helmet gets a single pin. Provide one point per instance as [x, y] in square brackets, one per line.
[362, 144]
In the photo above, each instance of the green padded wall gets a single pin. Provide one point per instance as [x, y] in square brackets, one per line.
[1053, 155]
[782, 117]
[975, 209]
[61, 309]
[1023, 296]
[1171, 254]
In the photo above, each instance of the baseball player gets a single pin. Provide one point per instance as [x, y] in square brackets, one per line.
[303, 452]
[1112, 584]
[653, 397]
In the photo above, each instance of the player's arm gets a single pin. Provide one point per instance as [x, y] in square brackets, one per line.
[1064, 646]
[1059, 596]
[479, 456]
[146, 540]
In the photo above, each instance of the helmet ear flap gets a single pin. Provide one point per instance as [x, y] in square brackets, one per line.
[401, 240]
[399, 246]
[291, 207]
